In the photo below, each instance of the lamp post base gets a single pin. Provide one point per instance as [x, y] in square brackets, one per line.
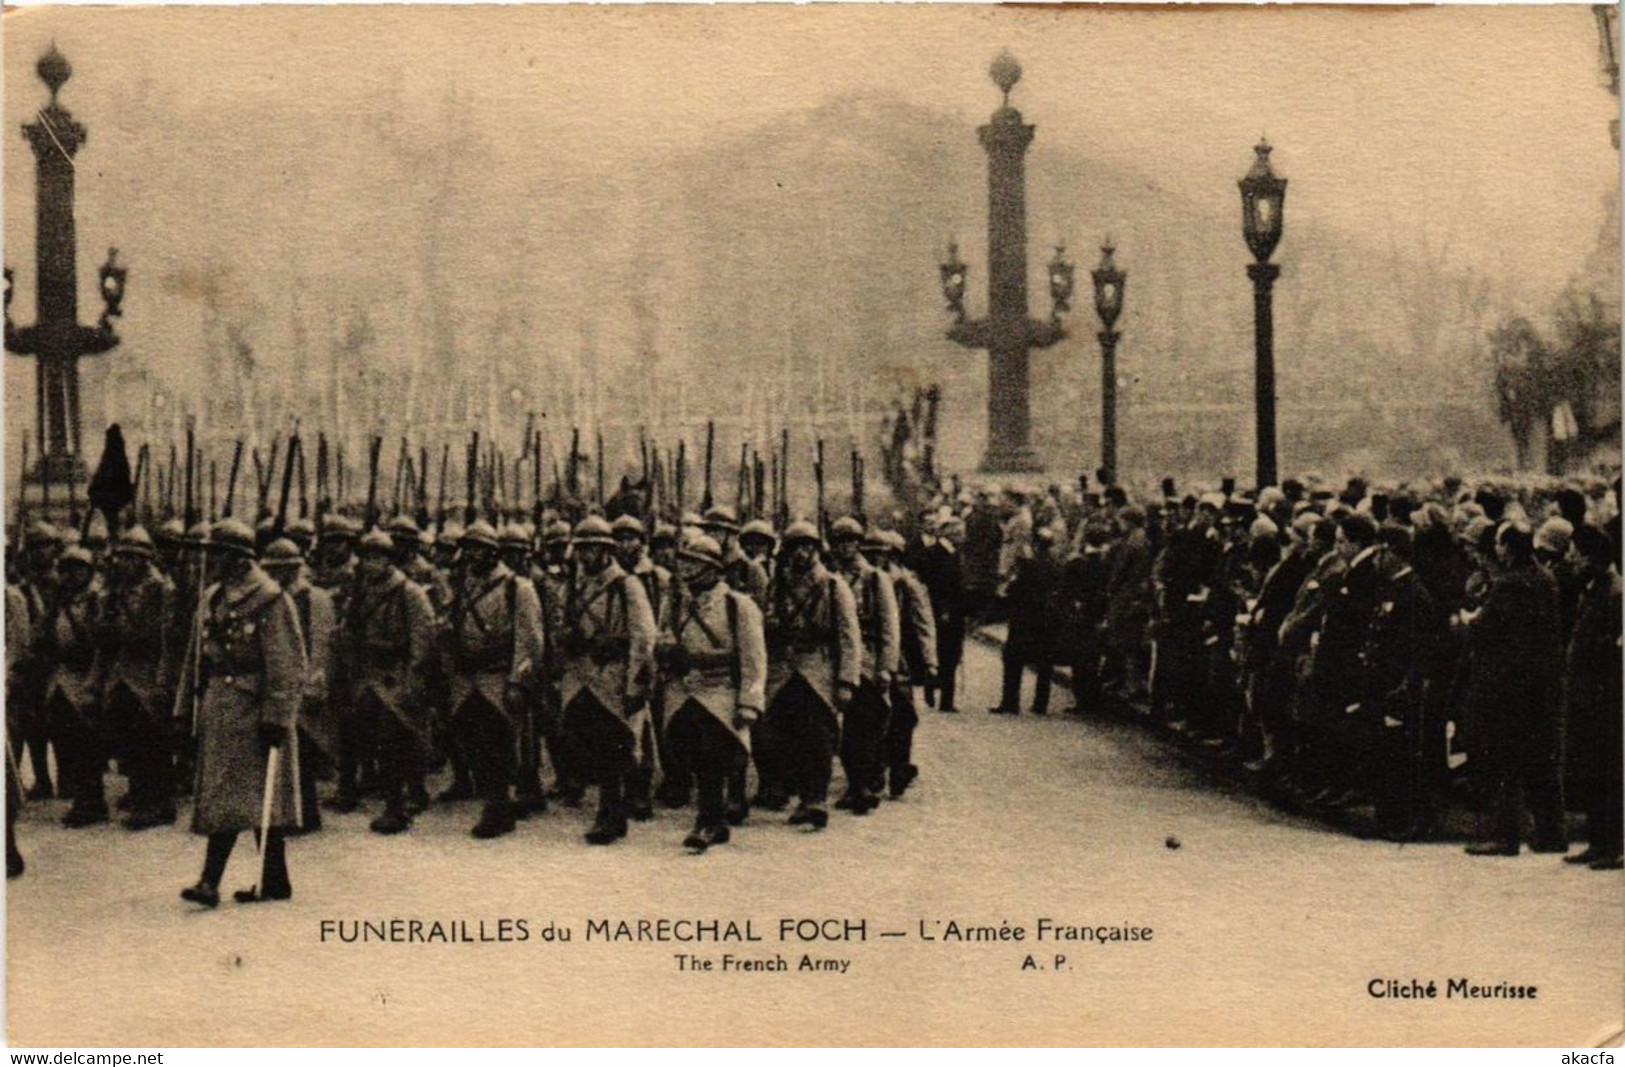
[1011, 459]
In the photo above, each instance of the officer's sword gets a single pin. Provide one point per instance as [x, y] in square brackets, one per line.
[272, 765]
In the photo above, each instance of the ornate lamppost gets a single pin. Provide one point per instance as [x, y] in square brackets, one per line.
[1007, 333]
[1262, 195]
[1109, 282]
[56, 340]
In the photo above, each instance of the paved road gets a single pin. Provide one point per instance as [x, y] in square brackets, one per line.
[1265, 928]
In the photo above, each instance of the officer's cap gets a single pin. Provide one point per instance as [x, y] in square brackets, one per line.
[593, 530]
[627, 526]
[230, 535]
[702, 549]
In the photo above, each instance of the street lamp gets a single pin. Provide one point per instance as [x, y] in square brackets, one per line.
[1109, 282]
[1262, 196]
[953, 271]
[1060, 285]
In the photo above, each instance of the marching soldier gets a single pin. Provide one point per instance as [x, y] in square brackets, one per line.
[715, 657]
[334, 570]
[917, 660]
[31, 670]
[814, 666]
[551, 576]
[742, 573]
[390, 630]
[494, 643]
[656, 580]
[135, 677]
[19, 638]
[252, 674]
[72, 691]
[757, 541]
[318, 629]
[607, 666]
[863, 729]
[515, 551]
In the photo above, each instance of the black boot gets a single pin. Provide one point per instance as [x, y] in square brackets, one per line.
[609, 827]
[705, 834]
[738, 811]
[14, 862]
[417, 798]
[639, 807]
[261, 896]
[901, 778]
[771, 799]
[672, 792]
[497, 819]
[204, 893]
[394, 820]
[812, 815]
[81, 815]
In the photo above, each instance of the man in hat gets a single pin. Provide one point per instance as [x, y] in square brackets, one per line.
[1031, 597]
[942, 571]
[632, 556]
[743, 573]
[136, 689]
[1592, 702]
[251, 667]
[1128, 604]
[917, 657]
[757, 541]
[390, 632]
[73, 690]
[318, 735]
[515, 541]
[551, 576]
[815, 664]
[607, 667]
[333, 570]
[714, 655]
[863, 727]
[494, 642]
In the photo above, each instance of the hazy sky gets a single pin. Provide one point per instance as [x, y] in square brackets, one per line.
[250, 136]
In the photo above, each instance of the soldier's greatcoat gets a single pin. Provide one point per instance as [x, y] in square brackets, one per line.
[252, 672]
[495, 639]
[70, 645]
[812, 629]
[917, 626]
[391, 631]
[608, 646]
[725, 653]
[876, 603]
[135, 642]
[313, 606]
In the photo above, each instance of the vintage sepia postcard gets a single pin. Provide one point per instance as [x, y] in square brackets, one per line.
[834, 525]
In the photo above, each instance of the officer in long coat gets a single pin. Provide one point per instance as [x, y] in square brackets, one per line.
[607, 669]
[632, 556]
[73, 688]
[252, 672]
[1593, 708]
[815, 661]
[942, 570]
[917, 656]
[284, 561]
[390, 630]
[715, 658]
[494, 642]
[864, 725]
[137, 689]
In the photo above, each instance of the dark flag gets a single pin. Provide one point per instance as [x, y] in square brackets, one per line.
[111, 487]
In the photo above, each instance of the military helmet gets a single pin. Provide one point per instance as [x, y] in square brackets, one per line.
[691, 518]
[846, 528]
[96, 530]
[77, 557]
[230, 535]
[134, 542]
[172, 532]
[557, 530]
[339, 528]
[702, 549]
[513, 535]
[376, 541]
[40, 530]
[758, 528]
[302, 529]
[664, 534]
[479, 532]
[198, 535]
[282, 552]
[801, 531]
[593, 530]
[451, 531]
[402, 526]
[628, 525]
[894, 541]
[720, 517]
